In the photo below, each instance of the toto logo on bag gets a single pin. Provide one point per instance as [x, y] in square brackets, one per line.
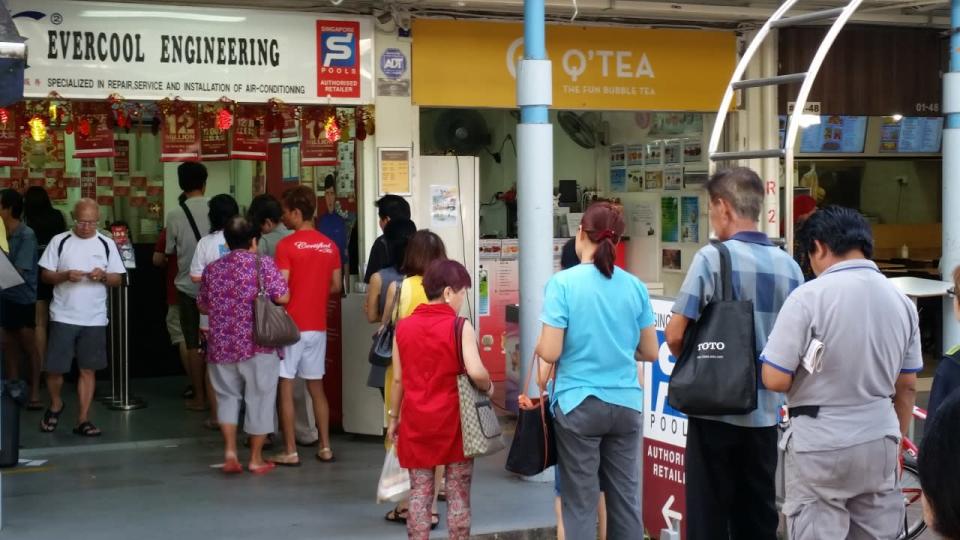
[711, 346]
[338, 59]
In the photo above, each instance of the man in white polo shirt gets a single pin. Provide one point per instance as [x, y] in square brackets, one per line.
[851, 402]
[80, 264]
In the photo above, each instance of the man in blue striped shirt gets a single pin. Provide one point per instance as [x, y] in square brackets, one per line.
[731, 460]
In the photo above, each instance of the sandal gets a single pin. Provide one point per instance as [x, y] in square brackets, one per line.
[262, 469]
[322, 459]
[397, 515]
[434, 521]
[51, 419]
[285, 460]
[87, 429]
[232, 466]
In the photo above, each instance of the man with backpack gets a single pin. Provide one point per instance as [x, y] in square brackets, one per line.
[80, 264]
[186, 224]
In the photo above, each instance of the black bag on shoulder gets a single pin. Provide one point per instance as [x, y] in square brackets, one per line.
[381, 350]
[717, 371]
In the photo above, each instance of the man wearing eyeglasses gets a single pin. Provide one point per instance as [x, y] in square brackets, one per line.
[80, 264]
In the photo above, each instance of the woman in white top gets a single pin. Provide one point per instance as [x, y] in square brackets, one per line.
[211, 247]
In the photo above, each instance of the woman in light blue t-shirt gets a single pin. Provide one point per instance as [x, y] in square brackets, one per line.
[597, 323]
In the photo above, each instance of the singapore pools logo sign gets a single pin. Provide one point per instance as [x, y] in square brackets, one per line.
[616, 67]
[338, 64]
[661, 421]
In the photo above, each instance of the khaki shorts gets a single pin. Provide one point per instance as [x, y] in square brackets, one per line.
[173, 324]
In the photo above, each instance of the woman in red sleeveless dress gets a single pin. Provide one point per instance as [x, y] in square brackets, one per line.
[425, 408]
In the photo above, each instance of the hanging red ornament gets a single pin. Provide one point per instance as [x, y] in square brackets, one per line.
[4, 115]
[224, 119]
[332, 129]
[69, 129]
[83, 127]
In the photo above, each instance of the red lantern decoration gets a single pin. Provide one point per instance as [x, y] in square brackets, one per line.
[4, 115]
[83, 127]
[224, 119]
[332, 129]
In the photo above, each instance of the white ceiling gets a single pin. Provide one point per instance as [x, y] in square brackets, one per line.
[695, 12]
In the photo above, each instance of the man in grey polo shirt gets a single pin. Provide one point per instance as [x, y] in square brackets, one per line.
[849, 408]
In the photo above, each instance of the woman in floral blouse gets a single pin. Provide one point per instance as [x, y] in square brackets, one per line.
[240, 370]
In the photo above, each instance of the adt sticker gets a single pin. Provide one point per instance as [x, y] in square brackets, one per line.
[393, 63]
[338, 65]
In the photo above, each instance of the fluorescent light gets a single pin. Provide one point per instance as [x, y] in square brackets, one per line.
[807, 120]
[897, 117]
[126, 14]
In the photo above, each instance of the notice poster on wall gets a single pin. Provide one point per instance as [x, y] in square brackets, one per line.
[180, 133]
[88, 179]
[673, 178]
[690, 219]
[643, 216]
[618, 155]
[618, 179]
[635, 154]
[250, 133]
[672, 152]
[444, 206]
[214, 142]
[671, 260]
[842, 134]
[10, 138]
[93, 136]
[121, 161]
[669, 219]
[653, 180]
[394, 171]
[635, 178]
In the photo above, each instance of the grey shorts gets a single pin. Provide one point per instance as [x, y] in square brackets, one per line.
[253, 382]
[88, 344]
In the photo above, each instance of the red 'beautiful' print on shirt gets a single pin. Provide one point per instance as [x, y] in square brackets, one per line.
[311, 259]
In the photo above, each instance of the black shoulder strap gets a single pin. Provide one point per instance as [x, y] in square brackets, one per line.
[106, 247]
[60, 246]
[726, 271]
[458, 341]
[193, 222]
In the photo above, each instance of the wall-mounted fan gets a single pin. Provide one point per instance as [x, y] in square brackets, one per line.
[584, 129]
[461, 131]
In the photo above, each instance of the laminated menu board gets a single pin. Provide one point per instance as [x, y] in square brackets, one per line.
[916, 135]
[840, 134]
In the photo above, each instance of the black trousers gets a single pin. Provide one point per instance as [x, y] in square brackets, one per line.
[730, 481]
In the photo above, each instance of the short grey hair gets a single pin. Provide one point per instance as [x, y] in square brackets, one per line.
[741, 187]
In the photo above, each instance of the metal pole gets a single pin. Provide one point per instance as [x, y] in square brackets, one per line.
[535, 178]
[124, 401]
[950, 256]
[113, 335]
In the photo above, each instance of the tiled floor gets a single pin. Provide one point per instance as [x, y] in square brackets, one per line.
[150, 477]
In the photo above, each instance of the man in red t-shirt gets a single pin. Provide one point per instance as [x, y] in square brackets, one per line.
[161, 260]
[311, 264]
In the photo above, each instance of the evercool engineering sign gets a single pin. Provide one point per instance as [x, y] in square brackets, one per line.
[198, 54]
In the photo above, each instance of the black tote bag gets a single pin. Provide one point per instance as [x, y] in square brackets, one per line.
[534, 448]
[717, 370]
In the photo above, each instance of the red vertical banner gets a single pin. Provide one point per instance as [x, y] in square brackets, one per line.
[181, 133]
[10, 137]
[214, 142]
[121, 161]
[93, 136]
[250, 133]
[88, 179]
[315, 149]
[56, 184]
[338, 51]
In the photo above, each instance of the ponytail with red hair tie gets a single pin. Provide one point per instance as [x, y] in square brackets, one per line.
[606, 234]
